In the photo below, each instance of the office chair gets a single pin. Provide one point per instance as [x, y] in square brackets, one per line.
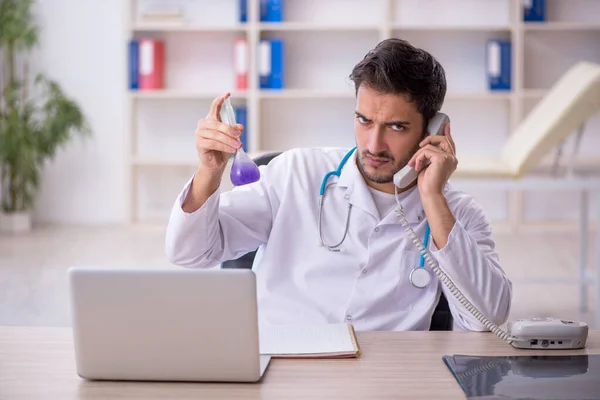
[441, 320]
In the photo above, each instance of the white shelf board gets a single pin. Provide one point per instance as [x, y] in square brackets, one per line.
[451, 28]
[145, 161]
[304, 94]
[347, 94]
[533, 93]
[491, 95]
[181, 162]
[181, 94]
[176, 27]
[582, 162]
[302, 26]
[562, 26]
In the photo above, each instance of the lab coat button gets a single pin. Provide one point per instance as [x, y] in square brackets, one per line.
[377, 229]
[364, 271]
[349, 317]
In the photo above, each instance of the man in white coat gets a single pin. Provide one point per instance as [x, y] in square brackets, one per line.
[399, 88]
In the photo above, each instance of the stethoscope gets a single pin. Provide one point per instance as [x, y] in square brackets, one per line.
[419, 276]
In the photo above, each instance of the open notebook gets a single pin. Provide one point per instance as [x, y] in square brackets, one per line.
[318, 341]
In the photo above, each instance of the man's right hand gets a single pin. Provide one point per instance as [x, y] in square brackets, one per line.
[216, 141]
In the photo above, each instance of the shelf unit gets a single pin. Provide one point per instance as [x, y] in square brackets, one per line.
[324, 39]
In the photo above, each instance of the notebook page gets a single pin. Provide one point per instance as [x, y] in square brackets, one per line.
[317, 339]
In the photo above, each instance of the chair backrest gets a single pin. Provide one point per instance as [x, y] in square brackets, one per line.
[442, 319]
[571, 101]
[266, 158]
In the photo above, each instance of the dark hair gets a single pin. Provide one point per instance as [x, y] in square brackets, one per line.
[395, 66]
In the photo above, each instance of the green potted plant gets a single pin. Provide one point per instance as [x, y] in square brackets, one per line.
[36, 117]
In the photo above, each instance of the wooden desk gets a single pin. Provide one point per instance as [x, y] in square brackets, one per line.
[38, 363]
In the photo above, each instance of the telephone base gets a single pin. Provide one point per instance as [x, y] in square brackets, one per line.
[549, 344]
[548, 334]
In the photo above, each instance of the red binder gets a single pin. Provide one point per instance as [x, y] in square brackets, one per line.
[241, 63]
[152, 64]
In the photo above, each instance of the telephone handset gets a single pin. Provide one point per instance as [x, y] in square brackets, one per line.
[407, 175]
[533, 333]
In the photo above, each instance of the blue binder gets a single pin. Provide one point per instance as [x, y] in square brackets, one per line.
[271, 10]
[243, 10]
[264, 63]
[275, 10]
[534, 10]
[263, 6]
[134, 64]
[241, 117]
[277, 80]
[271, 63]
[499, 64]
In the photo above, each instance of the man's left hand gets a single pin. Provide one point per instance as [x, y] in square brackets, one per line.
[441, 153]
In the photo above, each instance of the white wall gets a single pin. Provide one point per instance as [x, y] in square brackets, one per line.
[83, 47]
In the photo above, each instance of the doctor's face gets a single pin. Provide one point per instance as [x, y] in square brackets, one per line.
[388, 130]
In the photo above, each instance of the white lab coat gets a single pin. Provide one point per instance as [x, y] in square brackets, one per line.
[368, 285]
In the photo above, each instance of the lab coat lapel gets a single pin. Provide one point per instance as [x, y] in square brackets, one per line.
[357, 191]
[412, 208]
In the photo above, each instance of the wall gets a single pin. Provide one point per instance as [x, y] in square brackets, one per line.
[83, 48]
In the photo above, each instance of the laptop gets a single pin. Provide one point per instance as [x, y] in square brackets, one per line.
[166, 324]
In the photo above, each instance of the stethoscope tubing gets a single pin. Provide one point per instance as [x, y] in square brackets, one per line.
[322, 190]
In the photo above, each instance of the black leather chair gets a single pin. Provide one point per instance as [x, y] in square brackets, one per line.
[441, 320]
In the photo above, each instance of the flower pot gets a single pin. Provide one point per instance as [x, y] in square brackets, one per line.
[15, 223]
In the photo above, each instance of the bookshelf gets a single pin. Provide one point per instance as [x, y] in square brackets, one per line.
[324, 39]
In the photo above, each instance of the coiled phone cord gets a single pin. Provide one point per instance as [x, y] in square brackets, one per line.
[447, 281]
[480, 369]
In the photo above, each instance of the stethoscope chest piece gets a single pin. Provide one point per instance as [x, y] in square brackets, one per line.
[420, 277]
